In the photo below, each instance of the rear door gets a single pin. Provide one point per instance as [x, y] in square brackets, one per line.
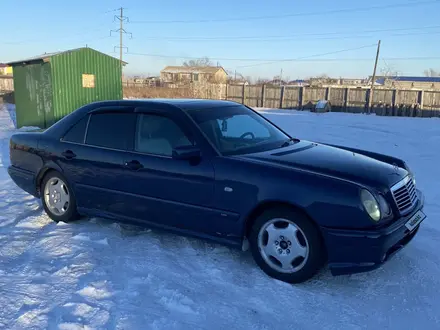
[92, 158]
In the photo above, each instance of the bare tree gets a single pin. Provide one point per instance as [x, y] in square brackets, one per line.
[234, 75]
[320, 80]
[204, 61]
[261, 81]
[431, 73]
[389, 74]
[389, 71]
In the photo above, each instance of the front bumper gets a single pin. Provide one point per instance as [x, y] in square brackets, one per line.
[356, 251]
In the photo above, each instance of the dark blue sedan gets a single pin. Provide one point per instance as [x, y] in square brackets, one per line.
[221, 171]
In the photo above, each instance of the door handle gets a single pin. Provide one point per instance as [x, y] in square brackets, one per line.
[69, 154]
[133, 165]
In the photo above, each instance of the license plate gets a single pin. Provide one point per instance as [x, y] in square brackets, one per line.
[415, 220]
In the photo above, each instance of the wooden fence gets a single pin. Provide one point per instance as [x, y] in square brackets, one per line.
[392, 102]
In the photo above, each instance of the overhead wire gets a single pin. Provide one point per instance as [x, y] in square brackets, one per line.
[332, 11]
[299, 59]
[89, 29]
[310, 56]
[251, 59]
[283, 37]
[298, 36]
[292, 38]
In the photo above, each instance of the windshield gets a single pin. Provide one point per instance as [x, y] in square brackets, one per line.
[238, 130]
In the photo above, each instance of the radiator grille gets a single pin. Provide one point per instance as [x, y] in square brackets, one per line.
[405, 194]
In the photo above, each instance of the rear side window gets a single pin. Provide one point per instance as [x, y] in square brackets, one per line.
[112, 130]
[77, 132]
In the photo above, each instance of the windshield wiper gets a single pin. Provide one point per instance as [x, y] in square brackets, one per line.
[287, 143]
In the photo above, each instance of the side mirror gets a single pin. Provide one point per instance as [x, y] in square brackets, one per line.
[186, 152]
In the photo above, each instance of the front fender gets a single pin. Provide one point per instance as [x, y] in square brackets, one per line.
[329, 202]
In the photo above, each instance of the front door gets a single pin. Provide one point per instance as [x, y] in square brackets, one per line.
[167, 191]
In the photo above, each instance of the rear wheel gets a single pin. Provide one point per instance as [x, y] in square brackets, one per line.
[58, 199]
[287, 245]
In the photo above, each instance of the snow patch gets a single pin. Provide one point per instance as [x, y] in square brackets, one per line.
[82, 237]
[96, 291]
[174, 300]
[85, 238]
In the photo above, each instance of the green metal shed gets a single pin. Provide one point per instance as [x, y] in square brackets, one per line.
[50, 86]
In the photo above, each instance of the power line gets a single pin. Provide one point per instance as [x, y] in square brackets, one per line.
[253, 59]
[113, 10]
[306, 35]
[414, 58]
[281, 38]
[289, 38]
[333, 11]
[86, 30]
[310, 56]
[55, 38]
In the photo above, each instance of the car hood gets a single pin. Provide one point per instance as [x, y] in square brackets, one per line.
[333, 161]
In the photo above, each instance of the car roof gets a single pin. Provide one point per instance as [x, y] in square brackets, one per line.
[183, 104]
[59, 128]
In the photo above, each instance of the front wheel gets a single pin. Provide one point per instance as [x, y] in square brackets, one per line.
[58, 199]
[287, 245]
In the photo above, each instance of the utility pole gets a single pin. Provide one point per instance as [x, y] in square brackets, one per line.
[121, 27]
[373, 79]
[121, 31]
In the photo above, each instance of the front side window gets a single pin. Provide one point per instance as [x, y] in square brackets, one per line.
[159, 135]
[237, 129]
[112, 130]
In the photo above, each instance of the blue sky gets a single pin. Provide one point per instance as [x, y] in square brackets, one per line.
[35, 27]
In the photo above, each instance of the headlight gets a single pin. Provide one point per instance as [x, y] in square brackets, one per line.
[371, 205]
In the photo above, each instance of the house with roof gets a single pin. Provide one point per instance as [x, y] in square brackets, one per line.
[5, 70]
[408, 82]
[298, 82]
[194, 74]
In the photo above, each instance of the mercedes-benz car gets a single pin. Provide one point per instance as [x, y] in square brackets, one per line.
[220, 170]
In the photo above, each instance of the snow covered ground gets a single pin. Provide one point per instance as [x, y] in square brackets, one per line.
[101, 275]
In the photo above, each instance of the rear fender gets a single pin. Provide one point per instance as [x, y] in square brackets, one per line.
[46, 168]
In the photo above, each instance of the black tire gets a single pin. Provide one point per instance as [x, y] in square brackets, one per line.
[71, 212]
[316, 251]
